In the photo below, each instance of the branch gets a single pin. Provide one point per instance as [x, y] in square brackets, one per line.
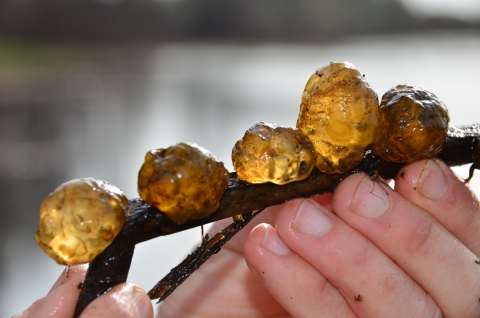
[144, 222]
[209, 247]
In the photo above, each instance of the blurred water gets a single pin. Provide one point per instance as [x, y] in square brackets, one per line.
[100, 120]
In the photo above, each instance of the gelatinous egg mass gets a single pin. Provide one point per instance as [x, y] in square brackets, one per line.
[184, 181]
[338, 114]
[79, 219]
[270, 153]
[413, 124]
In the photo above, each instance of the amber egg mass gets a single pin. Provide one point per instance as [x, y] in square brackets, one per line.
[271, 153]
[413, 125]
[338, 114]
[79, 219]
[184, 181]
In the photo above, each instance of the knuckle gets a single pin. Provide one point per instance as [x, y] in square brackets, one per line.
[422, 236]
[393, 282]
[425, 307]
[472, 297]
[364, 256]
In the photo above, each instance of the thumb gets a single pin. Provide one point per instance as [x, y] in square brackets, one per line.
[62, 298]
[124, 300]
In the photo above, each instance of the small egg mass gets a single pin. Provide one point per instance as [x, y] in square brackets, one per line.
[338, 113]
[413, 125]
[79, 219]
[271, 153]
[184, 181]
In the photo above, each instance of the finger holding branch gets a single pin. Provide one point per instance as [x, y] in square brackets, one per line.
[379, 255]
[430, 254]
[144, 223]
[432, 185]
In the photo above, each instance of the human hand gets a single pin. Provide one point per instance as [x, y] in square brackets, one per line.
[408, 252]
[124, 300]
[416, 259]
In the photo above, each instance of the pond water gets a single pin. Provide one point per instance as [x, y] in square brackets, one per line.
[102, 118]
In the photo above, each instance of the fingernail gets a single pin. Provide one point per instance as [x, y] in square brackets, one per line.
[433, 182]
[273, 243]
[371, 199]
[143, 303]
[311, 220]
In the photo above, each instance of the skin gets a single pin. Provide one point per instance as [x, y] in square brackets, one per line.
[366, 251]
[124, 300]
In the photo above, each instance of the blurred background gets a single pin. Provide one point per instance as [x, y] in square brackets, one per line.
[87, 87]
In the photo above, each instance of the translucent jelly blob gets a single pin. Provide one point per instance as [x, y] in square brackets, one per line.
[184, 181]
[79, 219]
[413, 125]
[338, 114]
[270, 153]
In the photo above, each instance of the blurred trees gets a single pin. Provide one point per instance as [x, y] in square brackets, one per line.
[246, 20]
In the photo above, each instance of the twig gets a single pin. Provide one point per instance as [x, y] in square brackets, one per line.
[182, 271]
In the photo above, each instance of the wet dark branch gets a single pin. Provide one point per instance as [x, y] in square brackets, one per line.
[144, 222]
[108, 269]
[209, 247]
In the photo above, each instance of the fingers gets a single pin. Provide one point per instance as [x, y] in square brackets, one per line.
[62, 298]
[326, 249]
[72, 275]
[225, 281]
[296, 284]
[124, 300]
[267, 216]
[431, 185]
[222, 287]
[238, 241]
[412, 238]
[324, 200]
